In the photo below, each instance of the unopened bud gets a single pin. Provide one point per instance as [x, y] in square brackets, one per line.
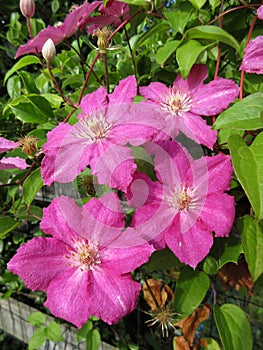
[27, 8]
[49, 50]
[29, 145]
[102, 35]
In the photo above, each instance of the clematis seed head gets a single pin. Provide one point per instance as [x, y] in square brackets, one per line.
[29, 146]
[49, 50]
[27, 8]
[102, 35]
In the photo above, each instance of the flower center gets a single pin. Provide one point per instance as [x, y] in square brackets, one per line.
[181, 198]
[176, 102]
[93, 128]
[86, 255]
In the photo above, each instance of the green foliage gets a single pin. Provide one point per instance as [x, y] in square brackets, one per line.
[233, 327]
[50, 332]
[190, 291]
[32, 186]
[243, 115]
[248, 167]
[252, 239]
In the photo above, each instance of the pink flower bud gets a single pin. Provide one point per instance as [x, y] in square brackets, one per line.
[49, 50]
[27, 8]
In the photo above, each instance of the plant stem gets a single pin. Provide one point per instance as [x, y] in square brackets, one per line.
[58, 89]
[242, 76]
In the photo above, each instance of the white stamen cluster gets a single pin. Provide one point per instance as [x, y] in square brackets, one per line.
[85, 256]
[93, 128]
[176, 102]
[181, 198]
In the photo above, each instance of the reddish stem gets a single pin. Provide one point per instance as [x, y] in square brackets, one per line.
[29, 27]
[242, 76]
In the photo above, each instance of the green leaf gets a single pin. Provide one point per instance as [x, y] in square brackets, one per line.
[179, 17]
[246, 114]
[252, 239]
[226, 250]
[53, 332]
[166, 51]
[248, 165]
[55, 6]
[212, 344]
[142, 3]
[187, 54]
[210, 265]
[162, 260]
[198, 4]
[93, 340]
[37, 339]
[212, 33]
[32, 185]
[31, 108]
[233, 327]
[7, 224]
[152, 32]
[29, 82]
[84, 330]
[37, 319]
[25, 61]
[190, 291]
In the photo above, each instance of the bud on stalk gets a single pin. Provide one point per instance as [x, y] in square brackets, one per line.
[49, 50]
[27, 8]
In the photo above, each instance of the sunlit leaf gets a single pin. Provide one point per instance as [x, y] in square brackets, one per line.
[190, 291]
[213, 33]
[246, 114]
[252, 239]
[32, 186]
[233, 327]
[23, 62]
[248, 165]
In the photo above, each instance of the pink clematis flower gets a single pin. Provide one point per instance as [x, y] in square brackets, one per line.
[260, 12]
[187, 100]
[113, 14]
[99, 138]
[253, 58]
[11, 162]
[80, 267]
[191, 205]
[72, 23]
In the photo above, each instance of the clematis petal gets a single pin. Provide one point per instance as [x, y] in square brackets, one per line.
[154, 92]
[6, 145]
[212, 98]
[194, 127]
[13, 162]
[221, 208]
[253, 58]
[94, 101]
[72, 22]
[260, 12]
[216, 173]
[125, 91]
[117, 295]
[62, 219]
[69, 296]
[107, 210]
[192, 246]
[171, 160]
[115, 166]
[124, 260]
[194, 80]
[39, 261]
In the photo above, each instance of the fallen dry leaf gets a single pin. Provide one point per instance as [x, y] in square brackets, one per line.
[162, 293]
[236, 275]
[190, 323]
